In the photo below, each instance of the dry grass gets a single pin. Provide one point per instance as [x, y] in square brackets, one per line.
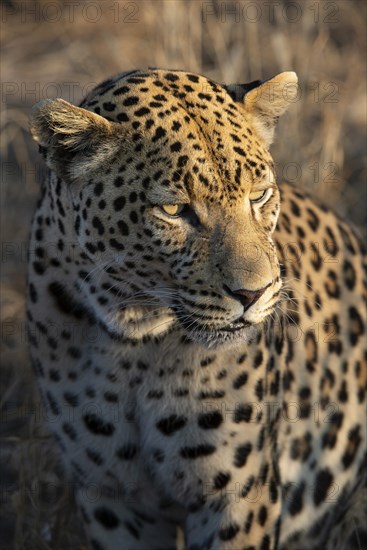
[62, 53]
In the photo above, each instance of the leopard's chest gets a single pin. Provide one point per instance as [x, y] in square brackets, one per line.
[196, 424]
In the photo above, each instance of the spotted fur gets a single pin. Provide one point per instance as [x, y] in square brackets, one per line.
[205, 371]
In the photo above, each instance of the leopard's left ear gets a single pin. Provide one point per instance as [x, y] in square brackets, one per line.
[266, 101]
[74, 141]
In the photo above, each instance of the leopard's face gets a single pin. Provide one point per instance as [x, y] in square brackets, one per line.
[180, 217]
[185, 249]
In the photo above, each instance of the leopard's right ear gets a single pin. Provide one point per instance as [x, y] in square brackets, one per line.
[264, 102]
[76, 142]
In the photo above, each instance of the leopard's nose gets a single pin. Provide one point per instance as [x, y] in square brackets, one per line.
[246, 297]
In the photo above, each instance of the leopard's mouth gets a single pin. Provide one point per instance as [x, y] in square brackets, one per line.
[240, 330]
[233, 327]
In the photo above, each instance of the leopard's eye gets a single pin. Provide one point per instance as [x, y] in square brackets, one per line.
[258, 196]
[173, 209]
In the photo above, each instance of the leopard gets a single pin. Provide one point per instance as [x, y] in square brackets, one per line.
[197, 330]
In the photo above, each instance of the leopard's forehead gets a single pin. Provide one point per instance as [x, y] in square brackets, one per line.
[164, 84]
[189, 119]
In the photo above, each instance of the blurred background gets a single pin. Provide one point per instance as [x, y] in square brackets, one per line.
[62, 49]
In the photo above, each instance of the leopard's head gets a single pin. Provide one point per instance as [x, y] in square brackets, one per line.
[174, 198]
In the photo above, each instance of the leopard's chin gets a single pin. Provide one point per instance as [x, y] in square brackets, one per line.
[138, 323]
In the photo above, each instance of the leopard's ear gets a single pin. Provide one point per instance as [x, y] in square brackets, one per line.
[75, 142]
[266, 101]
